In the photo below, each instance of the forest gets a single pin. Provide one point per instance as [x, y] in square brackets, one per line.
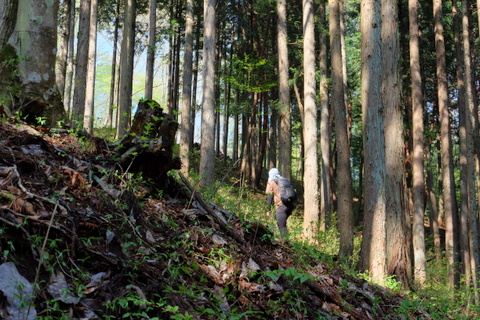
[369, 107]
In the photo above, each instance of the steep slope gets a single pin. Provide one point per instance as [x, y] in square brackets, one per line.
[81, 238]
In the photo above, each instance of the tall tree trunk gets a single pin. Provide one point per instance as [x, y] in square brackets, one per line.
[310, 177]
[420, 262]
[432, 200]
[8, 18]
[462, 132]
[34, 40]
[67, 97]
[471, 134]
[81, 64]
[236, 129]
[344, 179]
[373, 252]
[186, 121]
[126, 71]
[398, 255]
[207, 152]
[62, 53]
[326, 204]
[152, 23]
[195, 82]
[451, 211]
[284, 148]
[92, 57]
[114, 74]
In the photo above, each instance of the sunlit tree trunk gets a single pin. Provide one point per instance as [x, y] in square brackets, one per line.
[152, 23]
[450, 202]
[325, 130]
[126, 69]
[284, 134]
[81, 64]
[185, 128]
[207, 152]
[418, 146]
[398, 254]
[310, 177]
[92, 57]
[344, 179]
[373, 252]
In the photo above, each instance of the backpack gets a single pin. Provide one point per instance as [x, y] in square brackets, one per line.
[287, 192]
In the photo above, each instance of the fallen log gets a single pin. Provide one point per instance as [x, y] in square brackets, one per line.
[213, 213]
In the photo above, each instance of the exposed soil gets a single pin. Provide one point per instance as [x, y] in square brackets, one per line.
[118, 247]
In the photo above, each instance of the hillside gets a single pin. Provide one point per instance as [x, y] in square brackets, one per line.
[81, 239]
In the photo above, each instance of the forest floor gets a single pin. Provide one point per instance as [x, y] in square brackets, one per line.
[80, 239]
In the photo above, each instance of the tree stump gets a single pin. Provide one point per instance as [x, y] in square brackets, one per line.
[148, 146]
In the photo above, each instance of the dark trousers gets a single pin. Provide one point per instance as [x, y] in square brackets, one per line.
[282, 214]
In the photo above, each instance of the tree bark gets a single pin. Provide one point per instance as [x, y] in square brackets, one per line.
[152, 23]
[284, 148]
[8, 18]
[34, 37]
[113, 81]
[398, 253]
[420, 262]
[310, 178]
[207, 152]
[92, 57]
[326, 204]
[186, 121]
[81, 63]
[373, 252]
[62, 53]
[344, 179]
[126, 71]
[450, 202]
[67, 96]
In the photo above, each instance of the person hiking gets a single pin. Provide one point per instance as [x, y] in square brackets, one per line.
[274, 189]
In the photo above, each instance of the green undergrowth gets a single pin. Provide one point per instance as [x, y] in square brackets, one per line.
[435, 297]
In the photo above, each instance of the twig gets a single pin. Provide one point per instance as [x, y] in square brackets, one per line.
[45, 242]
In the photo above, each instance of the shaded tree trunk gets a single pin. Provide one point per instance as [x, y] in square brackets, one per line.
[186, 121]
[126, 70]
[62, 53]
[450, 202]
[113, 80]
[152, 23]
[8, 18]
[344, 179]
[326, 204]
[67, 97]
